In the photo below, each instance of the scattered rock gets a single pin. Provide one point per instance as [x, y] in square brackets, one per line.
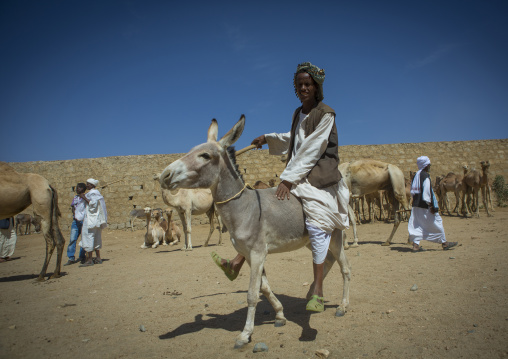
[305, 284]
[260, 347]
[390, 311]
[142, 328]
[12, 327]
[475, 325]
[322, 353]
[452, 257]
[85, 340]
[414, 288]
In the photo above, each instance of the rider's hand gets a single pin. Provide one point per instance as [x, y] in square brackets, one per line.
[259, 141]
[283, 190]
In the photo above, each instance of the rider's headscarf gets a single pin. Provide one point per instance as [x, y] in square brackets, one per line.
[317, 75]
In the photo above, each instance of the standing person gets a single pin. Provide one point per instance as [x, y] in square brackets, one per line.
[311, 173]
[95, 220]
[8, 239]
[78, 207]
[425, 222]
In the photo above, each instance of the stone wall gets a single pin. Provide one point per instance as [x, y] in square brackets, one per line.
[131, 183]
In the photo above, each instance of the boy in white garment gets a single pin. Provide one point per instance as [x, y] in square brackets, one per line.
[311, 173]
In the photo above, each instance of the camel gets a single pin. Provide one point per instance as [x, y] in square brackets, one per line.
[372, 199]
[261, 184]
[450, 183]
[259, 223]
[27, 220]
[368, 176]
[173, 233]
[472, 183]
[155, 234]
[20, 190]
[188, 202]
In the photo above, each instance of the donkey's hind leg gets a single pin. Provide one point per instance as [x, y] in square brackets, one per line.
[280, 320]
[337, 249]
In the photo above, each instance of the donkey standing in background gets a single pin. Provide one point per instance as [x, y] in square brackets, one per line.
[258, 222]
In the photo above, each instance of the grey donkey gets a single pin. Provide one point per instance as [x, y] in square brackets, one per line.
[258, 222]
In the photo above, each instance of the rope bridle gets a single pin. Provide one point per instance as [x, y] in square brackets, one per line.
[247, 185]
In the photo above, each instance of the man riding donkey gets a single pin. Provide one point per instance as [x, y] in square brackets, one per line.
[311, 174]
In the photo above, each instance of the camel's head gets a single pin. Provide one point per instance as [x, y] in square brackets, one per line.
[157, 214]
[148, 210]
[485, 165]
[200, 167]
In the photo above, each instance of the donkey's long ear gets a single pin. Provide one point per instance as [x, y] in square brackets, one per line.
[234, 134]
[213, 131]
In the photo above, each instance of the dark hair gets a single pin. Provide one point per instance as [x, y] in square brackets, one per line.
[81, 185]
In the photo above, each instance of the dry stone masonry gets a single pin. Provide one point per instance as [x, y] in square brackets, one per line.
[132, 184]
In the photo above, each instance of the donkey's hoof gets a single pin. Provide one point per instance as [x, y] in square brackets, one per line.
[40, 279]
[239, 344]
[54, 276]
[340, 312]
[385, 244]
[354, 245]
[280, 322]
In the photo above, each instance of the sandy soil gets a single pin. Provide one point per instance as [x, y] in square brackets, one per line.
[190, 310]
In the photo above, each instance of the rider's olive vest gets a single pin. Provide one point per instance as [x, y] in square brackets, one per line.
[326, 172]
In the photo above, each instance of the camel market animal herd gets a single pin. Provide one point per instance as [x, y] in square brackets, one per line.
[263, 225]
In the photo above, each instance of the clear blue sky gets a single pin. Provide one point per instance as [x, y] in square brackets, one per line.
[99, 78]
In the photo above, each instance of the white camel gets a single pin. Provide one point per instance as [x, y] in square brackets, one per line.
[189, 202]
[368, 176]
[259, 223]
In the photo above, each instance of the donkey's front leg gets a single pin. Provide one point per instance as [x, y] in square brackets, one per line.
[256, 262]
[280, 320]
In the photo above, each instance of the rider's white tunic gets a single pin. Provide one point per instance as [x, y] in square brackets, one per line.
[324, 208]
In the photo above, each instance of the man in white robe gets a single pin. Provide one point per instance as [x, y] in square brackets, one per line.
[95, 221]
[8, 239]
[425, 222]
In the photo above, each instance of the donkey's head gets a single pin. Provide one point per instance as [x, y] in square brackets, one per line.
[200, 167]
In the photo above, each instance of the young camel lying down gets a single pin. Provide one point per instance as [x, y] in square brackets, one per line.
[173, 233]
[155, 234]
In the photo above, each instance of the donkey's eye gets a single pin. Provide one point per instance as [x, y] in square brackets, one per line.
[205, 155]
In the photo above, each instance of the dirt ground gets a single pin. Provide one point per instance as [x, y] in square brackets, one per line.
[189, 309]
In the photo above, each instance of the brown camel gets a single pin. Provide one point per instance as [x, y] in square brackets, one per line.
[368, 176]
[473, 182]
[20, 190]
[450, 183]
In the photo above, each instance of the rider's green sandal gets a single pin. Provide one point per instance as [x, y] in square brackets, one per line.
[228, 271]
[316, 304]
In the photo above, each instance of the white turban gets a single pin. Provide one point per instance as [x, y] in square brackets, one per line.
[422, 162]
[92, 181]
